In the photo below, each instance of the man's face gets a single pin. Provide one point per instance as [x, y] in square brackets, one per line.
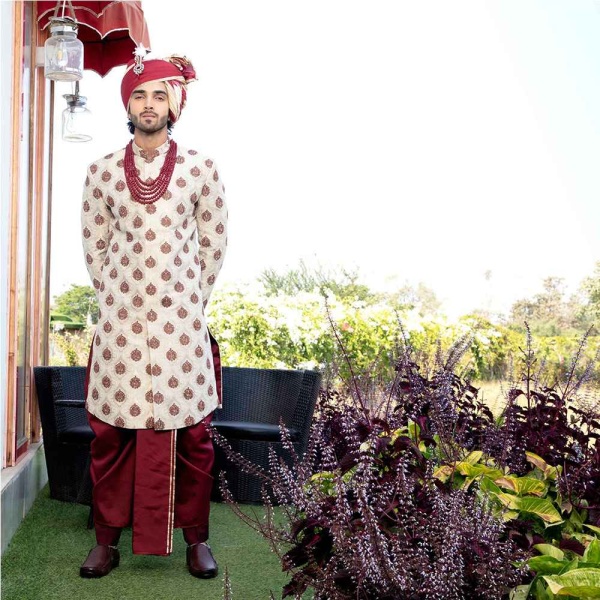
[149, 106]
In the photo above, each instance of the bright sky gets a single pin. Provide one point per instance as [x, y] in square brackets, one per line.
[428, 141]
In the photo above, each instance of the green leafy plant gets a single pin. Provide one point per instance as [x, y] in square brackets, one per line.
[283, 327]
[70, 348]
[560, 573]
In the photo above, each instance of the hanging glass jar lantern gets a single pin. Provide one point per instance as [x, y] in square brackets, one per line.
[63, 51]
[76, 118]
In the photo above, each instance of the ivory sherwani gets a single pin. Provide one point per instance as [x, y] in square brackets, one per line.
[153, 267]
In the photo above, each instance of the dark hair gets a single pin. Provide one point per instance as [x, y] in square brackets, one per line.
[131, 126]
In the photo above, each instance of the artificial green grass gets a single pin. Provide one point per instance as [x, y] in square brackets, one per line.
[43, 558]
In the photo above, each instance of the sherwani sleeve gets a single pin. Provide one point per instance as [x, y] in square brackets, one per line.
[95, 224]
[211, 221]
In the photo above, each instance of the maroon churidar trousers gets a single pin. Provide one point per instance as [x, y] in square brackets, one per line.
[152, 481]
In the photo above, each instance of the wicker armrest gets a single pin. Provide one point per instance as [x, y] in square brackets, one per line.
[74, 427]
[244, 430]
[77, 434]
[255, 401]
[67, 433]
[70, 403]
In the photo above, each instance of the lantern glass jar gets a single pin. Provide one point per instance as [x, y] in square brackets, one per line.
[63, 51]
[76, 120]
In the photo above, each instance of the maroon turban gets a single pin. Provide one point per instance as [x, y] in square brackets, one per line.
[175, 71]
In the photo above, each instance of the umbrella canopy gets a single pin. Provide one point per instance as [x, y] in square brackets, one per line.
[109, 31]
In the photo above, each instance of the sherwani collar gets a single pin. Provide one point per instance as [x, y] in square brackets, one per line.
[150, 156]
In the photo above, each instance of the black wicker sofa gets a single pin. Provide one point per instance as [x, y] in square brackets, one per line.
[254, 402]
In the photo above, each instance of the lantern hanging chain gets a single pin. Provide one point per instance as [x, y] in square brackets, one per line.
[62, 17]
[72, 11]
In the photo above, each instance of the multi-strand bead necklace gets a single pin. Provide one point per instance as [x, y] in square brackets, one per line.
[147, 193]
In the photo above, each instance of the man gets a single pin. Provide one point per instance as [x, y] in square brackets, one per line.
[154, 235]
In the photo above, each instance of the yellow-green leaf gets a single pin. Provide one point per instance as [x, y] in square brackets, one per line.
[443, 473]
[509, 515]
[505, 482]
[414, 430]
[581, 583]
[487, 485]
[522, 485]
[324, 481]
[474, 457]
[536, 461]
[469, 470]
[545, 565]
[508, 500]
[541, 507]
[521, 592]
[550, 550]
[466, 483]
[593, 528]
[592, 552]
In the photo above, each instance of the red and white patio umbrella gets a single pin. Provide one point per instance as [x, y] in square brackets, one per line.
[109, 31]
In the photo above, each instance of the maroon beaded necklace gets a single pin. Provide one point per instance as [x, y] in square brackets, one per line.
[147, 193]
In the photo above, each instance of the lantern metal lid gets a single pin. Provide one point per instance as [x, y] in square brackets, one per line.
[76, 118]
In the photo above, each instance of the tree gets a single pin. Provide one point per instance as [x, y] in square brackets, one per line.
[343, 283]
[77, 302]
[590, 289]
[548, 313]
[420, 298]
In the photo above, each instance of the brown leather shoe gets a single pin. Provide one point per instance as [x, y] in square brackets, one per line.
[100, 561]
[200, 561]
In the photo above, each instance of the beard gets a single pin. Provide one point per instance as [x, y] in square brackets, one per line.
[151, 127]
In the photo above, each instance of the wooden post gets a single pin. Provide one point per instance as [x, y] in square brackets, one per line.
[16, 120]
